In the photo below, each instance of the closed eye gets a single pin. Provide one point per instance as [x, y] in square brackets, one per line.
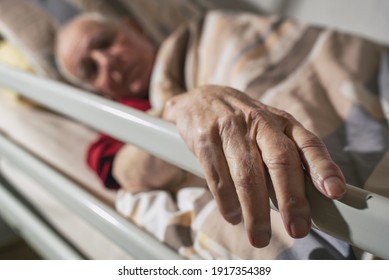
[87, 69]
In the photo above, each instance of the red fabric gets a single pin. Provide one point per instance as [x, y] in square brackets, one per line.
[101, 152]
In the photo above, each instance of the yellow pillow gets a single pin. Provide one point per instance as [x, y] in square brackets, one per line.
[10, 55]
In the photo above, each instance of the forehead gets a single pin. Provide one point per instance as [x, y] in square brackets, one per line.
[85, 27]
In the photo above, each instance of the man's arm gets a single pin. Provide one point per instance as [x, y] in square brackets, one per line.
[136, 170]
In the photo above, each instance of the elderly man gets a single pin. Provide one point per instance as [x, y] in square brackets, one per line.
[249, 151]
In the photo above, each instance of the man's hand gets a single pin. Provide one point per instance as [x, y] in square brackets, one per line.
[249, 152]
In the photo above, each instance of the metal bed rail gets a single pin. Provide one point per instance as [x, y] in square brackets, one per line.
[41, 237]
[135, 241]
[360, 218]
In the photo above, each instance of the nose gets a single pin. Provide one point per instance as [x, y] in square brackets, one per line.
[100, 57]
[107, 65]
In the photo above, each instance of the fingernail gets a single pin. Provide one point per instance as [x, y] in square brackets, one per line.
[299, 227]
[334, 187]
[260, 239]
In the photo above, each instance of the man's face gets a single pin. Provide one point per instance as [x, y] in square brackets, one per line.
[116, 60]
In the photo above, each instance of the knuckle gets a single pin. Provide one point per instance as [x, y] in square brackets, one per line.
[246, 174]
[278, 161]
[220, 189]
[311, 141]
[232, 122]
[244, 185]
[257, 116]
[291, 203]
[261, 123]
[206, 136]
[172, 108]
[168, 109]
[283, 158]
[285, 115]
[170, 104]
[203, 140]
[280, 113]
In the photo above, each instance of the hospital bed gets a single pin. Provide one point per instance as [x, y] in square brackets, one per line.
[360, 217]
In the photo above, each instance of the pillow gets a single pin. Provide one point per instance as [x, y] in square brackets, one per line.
[32, 31]
[31, 26]
[11, 56]
[110, 9]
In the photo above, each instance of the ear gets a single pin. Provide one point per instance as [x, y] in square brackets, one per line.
[131, 23]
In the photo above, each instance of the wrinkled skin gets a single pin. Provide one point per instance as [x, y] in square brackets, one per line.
[114, 59]
[250, 152]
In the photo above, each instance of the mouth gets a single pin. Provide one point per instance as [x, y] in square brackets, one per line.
[134, 72]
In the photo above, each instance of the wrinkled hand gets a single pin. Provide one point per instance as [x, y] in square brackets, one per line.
[250, 151]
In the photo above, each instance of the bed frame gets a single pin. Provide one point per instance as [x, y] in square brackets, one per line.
[360, 218]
